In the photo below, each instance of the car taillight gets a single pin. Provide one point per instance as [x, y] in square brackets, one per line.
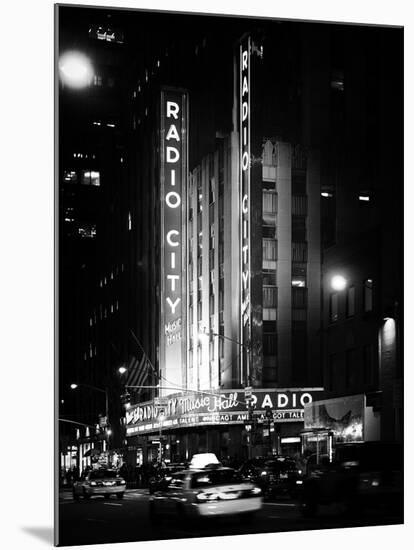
[92, 483]
[204, 497]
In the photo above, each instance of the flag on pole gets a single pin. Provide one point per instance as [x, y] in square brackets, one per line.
[137, 371]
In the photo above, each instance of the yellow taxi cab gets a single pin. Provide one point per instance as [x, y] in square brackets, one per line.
[104, 482]
[209, 491]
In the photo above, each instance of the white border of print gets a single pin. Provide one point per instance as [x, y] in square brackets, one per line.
[27, 264]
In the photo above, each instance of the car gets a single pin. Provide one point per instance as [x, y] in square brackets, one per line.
[275, 475]
[161, 478]
[361, 476]
[103, 482]
[212, 491]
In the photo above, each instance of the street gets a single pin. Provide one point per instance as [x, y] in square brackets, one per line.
[103, 521]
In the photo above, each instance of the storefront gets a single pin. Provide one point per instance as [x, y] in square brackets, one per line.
[348, 419]
[225, 423]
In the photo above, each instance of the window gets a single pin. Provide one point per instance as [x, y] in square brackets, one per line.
[269, 249]
[298, 229]
[299, 205]
[269, 231]
[350, 302]
[333, 307]
[87, 231]
[298, 182]
[337, 80]
[107, 34]
[299, 252]
[70, 176]
[328, 215]
[368, 302]
[212, 239]
[212, 191]
[269, 344]
[299, 297]
[269, 296]
[269, 277]
[298, 274]
[269, 202]
[91, 177]
[365, 197]
[269, 314]
[97, 80]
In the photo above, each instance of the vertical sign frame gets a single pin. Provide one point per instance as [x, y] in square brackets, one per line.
[173, 197]
[245, 244]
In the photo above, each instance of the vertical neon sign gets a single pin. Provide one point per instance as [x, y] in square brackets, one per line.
[244, 102]
[173, 173]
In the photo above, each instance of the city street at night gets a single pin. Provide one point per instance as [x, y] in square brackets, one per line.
[230, 297]
[99, 521]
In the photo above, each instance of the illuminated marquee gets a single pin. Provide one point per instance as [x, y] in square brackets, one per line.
[173, 198]
[226, 406]
[245, 330]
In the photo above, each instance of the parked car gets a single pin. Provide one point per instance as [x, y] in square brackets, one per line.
[104, 482]
[361, 476]
[208, 492]
[162, 477]
[275, 476]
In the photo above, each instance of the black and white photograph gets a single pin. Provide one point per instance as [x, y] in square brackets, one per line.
[229, 215]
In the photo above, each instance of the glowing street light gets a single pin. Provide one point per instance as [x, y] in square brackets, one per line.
[75, 69]
[122, 370]
[338, 283]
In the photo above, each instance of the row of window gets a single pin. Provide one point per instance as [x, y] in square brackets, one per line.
[85, 177]
[364, 196]
[350, 301]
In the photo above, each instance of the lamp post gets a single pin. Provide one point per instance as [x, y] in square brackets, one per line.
[161, 418]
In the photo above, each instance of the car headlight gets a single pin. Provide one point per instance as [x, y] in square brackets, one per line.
[122, 482]
[256, 491]
[92, 483]
[204, 497]
[263, 473]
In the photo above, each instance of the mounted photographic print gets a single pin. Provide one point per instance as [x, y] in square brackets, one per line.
[230, 296]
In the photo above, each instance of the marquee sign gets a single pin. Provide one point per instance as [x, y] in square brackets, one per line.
[193, 409]
[244, 130]
[173, 173]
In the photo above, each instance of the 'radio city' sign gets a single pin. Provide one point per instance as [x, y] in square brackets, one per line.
[224, 406]
[244, 130]
[173, 172]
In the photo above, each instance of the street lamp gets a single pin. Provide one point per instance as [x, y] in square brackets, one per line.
[338, 283]
[75, 69]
